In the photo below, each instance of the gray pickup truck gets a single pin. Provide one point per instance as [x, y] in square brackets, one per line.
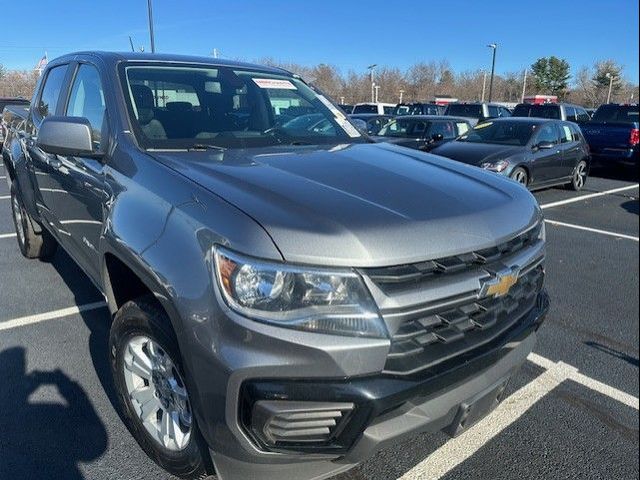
[286, 297]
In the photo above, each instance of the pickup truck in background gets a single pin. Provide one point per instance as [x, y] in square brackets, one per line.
[613, 135]
[284, 299]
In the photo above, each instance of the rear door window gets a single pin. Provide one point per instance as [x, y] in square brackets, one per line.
[51, 90]
[443, 128]
[547, 133]
[570, 113]
[493, 112]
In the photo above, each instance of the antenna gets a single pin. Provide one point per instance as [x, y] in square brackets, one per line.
[131, 43]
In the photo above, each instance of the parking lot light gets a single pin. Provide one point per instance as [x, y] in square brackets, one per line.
[493, 46]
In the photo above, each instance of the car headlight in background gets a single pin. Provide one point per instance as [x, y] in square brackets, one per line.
[499, 166]
[333, 301]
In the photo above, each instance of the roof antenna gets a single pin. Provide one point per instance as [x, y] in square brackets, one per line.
[131, 43]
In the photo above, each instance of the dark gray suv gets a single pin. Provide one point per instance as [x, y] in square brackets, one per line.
[286, 296]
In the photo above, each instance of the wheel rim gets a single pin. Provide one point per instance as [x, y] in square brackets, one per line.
[157, 393]
[580, 175]
[17, 215]
[520, 176]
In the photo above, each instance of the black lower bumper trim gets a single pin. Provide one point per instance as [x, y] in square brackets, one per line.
[379, 394]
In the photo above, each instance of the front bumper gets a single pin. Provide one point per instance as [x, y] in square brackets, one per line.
[388, 408]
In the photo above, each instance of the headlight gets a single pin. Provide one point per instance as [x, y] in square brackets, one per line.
[333, 301]
[499, 166]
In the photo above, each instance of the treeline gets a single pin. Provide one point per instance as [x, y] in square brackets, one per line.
[423, 81]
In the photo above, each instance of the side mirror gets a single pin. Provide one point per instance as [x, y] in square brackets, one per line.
[66, 136]
[544, 146]
[436, 137]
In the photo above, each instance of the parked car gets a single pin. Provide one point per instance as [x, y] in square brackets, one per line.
[422, 132]
[280, 298]
[535, 152]
[8, 102]
[477, 112]
[346, 108]
[591, 111]
[379, 108]
[613, 135]
[418, 109]
[373, 121]
[557, 111]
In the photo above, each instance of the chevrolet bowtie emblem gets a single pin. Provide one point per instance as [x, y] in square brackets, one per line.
[501, 284]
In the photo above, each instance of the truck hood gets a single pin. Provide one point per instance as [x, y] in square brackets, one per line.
[362, 204]
[476, 153]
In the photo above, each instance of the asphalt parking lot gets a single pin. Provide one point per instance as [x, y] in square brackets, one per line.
[572, 412]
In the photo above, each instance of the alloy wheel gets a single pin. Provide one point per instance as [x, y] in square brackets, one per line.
[520, 176]
[157, 393]
[17, 213]
[580, 175]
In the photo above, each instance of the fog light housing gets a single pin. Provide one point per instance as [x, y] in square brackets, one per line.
[285, 423]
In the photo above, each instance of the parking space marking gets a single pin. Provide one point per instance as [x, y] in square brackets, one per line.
[590, 195]
[7, 235]
[41, 317]
[5, 197]
[461, 448]
[593, 230]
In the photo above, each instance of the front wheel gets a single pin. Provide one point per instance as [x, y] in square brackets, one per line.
[520, 175]
[149, 380]
[579, 176]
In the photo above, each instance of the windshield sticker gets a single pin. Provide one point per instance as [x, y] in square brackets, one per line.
[348, 128]
[336, 111]
[274, 84]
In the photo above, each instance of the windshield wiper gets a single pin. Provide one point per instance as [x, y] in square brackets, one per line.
[206, 146]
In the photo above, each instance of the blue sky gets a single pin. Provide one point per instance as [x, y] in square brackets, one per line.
[348, 34]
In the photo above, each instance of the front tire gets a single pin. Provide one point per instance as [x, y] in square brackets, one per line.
[32, 244]
[579, 178]
[521, 176]
[148, 376]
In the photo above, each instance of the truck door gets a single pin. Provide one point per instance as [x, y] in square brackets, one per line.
[44, 164]
[80, 209]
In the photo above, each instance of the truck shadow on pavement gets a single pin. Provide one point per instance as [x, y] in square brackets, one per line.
[41, 438]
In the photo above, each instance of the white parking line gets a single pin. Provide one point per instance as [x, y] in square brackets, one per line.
[41, 317]
[459, 449]
[7, 235]
[594, 230]
[586, 197]
[5, 197]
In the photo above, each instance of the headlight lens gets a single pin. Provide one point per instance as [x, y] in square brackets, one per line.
[312, 299]
[499, 166]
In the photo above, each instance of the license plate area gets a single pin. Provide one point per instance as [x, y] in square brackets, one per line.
[475, 409]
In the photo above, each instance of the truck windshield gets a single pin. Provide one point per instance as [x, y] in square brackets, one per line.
[501, 133]
[182, 107]
[616, 113]
[464, 110]
[539, 111]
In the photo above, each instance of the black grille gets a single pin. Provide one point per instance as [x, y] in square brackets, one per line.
[423, 341]
[416, 272]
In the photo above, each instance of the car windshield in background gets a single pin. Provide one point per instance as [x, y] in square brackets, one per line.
[415, 110]
[462, 110]
[500, 133]
[405, 128]
[197, 107]
[365, 109]
[538, 111]
[616, 113]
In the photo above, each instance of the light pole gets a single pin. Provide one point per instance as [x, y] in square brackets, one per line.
[153, 45]
[377, 87]
[371, 69]
[484, 84]
[493, 46]
[342, 100]
[401, 92]
[524, 86]
[610, 77]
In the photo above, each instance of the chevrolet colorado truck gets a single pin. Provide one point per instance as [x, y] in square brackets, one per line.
[286, 298]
